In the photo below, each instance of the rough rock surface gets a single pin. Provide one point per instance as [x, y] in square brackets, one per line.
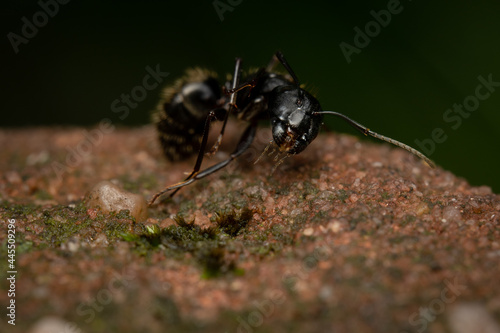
[348, 236]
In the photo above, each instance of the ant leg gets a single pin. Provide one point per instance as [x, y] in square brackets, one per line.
[217, 143]
[232, 105]
[199, 159]
[245, 141]
[272, 63]
[251, 84]
[206, 130]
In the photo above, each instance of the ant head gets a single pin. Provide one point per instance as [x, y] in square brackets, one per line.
[293, 112]
[294, 120]
[296, 117]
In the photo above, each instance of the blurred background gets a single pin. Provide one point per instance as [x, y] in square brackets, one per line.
[399, 79]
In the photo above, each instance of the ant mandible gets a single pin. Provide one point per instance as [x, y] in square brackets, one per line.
[184, 116]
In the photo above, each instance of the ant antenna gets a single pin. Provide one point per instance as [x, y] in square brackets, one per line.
[367, 131]
[285, 64]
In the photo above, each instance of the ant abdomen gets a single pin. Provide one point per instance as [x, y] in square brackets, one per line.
[181, 114]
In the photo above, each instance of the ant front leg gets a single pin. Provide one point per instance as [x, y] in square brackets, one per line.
[245, 142]
[232, 104]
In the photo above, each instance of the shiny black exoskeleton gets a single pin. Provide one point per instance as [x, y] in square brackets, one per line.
[252, 101]
[294, 118]
[184, 116]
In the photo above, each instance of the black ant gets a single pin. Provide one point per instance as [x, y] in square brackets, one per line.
[183, 119]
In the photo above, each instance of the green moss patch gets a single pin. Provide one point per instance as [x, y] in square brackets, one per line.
[208, 246]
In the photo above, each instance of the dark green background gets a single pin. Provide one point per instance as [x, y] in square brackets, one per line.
[424, 61]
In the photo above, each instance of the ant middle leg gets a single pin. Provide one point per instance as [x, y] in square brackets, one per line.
[245, 142]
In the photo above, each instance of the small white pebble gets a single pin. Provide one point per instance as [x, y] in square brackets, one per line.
[308, 231]
[72, 245]
[52, 324]
[471, 318]
[100, 241]
[110, 198]
[334, 226]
